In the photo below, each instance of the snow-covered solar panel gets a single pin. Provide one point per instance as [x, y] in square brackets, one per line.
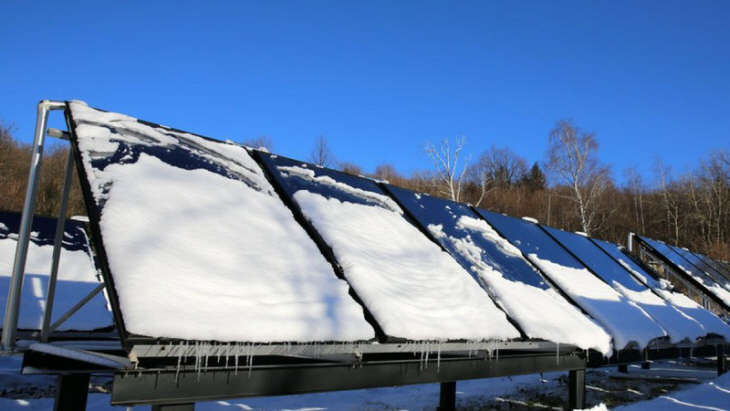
[688, 269]
[714, 264]
[77, 275]
[678, 325]
[724, 264]
[413, 289]
[197, 243]
[701, 265]
[709, 321]
[513, 282]
[623, 319]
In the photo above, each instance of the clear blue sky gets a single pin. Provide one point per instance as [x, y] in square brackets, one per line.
[378, 79]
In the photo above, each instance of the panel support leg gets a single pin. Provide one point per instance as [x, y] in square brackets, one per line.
[73, 391]
[576, 389]
[447, 400]
[174, 407]
[721, 360]
[623, 368]
[12, 307]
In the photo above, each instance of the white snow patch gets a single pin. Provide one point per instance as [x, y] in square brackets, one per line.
[413, 289]
[437, 230]
[712, 395]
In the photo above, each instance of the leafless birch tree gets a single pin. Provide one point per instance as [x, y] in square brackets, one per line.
[450, 174]
[573, 162]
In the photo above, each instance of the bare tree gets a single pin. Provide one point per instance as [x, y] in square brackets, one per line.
[387, 172]
[573, 162]
[636, 190]
[322, 154]
[496, 168]
[450, 174]
[670, 200]
[714, 182]
[350, 168]
[262, 141]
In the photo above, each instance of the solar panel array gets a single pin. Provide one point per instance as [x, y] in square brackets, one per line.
[206, 240]
[702, 279]
[77, 275]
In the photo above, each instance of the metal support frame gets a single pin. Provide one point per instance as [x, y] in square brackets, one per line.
[447, 396]
[630, 242]
[12, 308]
[577, 389]
[10, 328]
[73, 309]
[172, 386]
[73, 392]
[174, 407]
[57, 243]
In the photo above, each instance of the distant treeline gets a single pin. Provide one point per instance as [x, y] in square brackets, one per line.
[571, 190]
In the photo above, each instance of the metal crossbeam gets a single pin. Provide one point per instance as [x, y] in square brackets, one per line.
[192, 385]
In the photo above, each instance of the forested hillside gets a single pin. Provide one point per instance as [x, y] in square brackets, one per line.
[572, 189]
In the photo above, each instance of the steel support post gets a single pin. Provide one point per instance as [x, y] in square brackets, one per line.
[57, 246]
[721, 360]
[630, 243]
[12, 308]
[577, 389]
[174, 407]
[447, 398]
[73, 391]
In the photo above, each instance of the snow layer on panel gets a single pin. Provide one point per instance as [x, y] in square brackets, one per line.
[542, 313]
[413, 289]
[624, 320]
[677, 325]
[702, 266]
[712, 286]
[709, 322]
[77, 277]
[206, 251]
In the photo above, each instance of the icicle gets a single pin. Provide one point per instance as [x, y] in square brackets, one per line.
[177, 372]
[250, 360]
[428, 350]
[235, 360]
[208, 348]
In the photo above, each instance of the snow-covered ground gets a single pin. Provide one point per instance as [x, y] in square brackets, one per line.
[668, 385]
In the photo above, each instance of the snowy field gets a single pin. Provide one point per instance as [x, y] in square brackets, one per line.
[668, 385]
